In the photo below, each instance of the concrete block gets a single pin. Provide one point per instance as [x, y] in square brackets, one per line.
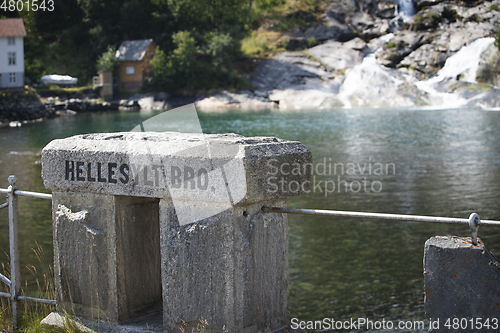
[144, 221]
[106, 255]
[152, 164]
[229, 272]
[462, 285]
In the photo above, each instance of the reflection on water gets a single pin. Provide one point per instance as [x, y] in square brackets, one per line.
[442, 163]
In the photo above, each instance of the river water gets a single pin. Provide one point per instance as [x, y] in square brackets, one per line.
[442, 163]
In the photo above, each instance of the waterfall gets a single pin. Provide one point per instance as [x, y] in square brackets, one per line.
[461, 66]
[405, 8]
[371, 84]
[465, 62]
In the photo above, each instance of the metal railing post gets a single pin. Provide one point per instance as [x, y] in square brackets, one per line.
[15, 273]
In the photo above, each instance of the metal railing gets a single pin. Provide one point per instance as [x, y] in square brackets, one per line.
[15, 284]
[15, 274]
[473, 221]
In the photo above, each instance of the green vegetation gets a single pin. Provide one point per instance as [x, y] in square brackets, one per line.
[59, 91]
[391, 45]
[311, 42]
[107, 61]
[434, 16]
[199, 43]
[254, 44]
[32, 313]
[497, 39]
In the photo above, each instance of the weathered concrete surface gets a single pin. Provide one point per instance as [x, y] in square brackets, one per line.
[106, 255]
[143, 164]
[461, 281]
[202, 244]
[229, 271]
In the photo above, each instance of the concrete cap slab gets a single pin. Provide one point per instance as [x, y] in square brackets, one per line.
[205, 170]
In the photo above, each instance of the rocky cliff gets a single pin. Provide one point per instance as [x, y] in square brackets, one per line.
[21, 105]
[371, 53]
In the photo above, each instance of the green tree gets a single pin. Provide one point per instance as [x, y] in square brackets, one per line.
[176, 70]
[208, 15]
[162, 70]
[222, 48]
[107, 61]
[136, 20]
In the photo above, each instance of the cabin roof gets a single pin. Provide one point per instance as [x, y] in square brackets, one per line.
[132, 50]
[12, 27]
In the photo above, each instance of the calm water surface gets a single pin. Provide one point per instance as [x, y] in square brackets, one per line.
[443, 163]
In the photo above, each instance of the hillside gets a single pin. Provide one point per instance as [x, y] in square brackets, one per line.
[308, 45]
[379, 54]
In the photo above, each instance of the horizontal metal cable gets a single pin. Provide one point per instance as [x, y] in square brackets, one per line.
[34, 194]
[7, 295]
[4, 205]
[397, 217]
[36, 300]
[28, 194]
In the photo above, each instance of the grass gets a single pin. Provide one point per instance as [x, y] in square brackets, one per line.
[32, 313]
[56, 90]
[254, 44]
[278, 16]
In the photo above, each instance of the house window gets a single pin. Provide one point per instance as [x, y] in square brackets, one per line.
[12, 77]
[11, 40]
[12, 58]
[130, 70]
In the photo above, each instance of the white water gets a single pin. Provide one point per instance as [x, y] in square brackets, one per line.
[465, 62]
[461, 66]
[371, 81]
[405, 8]
[361, 74]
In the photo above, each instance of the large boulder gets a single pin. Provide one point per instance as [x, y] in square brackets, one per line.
[489, 66]
[336, 56]
[426, 60]
[402, 44]
[285, 70]
[225, 100]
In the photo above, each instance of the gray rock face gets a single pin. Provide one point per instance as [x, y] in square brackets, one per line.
[285, 70]
[22, 105]
[426, 59]
[243, 100]
[416, 50]
[336, 56]
[489, 67]
[401, 45]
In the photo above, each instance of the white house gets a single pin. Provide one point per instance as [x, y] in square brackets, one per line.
[12, 35]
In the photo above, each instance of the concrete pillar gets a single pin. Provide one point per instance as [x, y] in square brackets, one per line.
[171, 220]
[462, 286]
[106, 83]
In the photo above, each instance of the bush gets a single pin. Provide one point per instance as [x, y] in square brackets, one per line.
[107, 61]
